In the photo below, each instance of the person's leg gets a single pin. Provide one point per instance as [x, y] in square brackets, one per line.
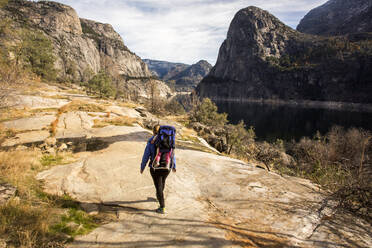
[162, 177]
[157, 180]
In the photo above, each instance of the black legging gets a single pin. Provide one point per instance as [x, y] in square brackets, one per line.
[159, 177]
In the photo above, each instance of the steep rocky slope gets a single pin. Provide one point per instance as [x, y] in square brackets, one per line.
[81, 47]
[185, 77]
[338, 17]
[264, 59]
[77, 41]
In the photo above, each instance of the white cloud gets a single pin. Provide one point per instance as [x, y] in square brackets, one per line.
[180, 30]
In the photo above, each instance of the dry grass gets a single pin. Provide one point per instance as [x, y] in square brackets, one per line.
[6, 133]
[19, 169]
[25, 225]
[53, 127]
[129, 104]
[33, 87]
[117, 121]
[33, 218]
[77, 105]
[100, 123]
[188, 135]
[57, 97]
[43, 110]
[182, 119]
[8, 114]
[72, 91]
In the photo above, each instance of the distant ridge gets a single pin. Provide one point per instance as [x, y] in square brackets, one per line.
[338, 17]
[186, 77]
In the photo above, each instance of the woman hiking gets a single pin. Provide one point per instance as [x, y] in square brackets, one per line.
[159, 173]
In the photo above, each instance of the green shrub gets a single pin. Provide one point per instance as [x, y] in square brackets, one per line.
[101, 83]
[50, 160]
[174, 107]
[75, 222]
[206, 113]
[36, 53]
[3, 3]
[237, 137]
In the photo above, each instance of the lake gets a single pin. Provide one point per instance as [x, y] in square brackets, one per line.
[273, 122]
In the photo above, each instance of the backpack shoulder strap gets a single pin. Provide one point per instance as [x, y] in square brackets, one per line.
[154, 139]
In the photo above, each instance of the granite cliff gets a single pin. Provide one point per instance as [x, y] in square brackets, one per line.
[338, 17]
[264, 59]
[81, 46]
[185, 77]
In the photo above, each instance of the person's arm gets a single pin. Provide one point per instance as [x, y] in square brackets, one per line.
[145, 157]
[174, 161]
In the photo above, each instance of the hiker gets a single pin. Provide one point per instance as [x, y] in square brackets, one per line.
[160, 151]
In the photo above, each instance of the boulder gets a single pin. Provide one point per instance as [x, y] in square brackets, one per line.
[2, 243]
[62, 147]
[7, 191]
[74, 125]
[216, 142]
[50, 141]
[50, 150]
[21, 148]
[123, 111]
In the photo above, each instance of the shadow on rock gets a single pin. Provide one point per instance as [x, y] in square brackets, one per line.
[82, 144]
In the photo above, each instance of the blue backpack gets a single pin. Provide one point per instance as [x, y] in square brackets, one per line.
[165, 143]
[166, 138]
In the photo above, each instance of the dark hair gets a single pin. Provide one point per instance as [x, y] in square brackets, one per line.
[156, 128]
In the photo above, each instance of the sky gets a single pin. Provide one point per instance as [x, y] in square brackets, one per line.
[183, 31]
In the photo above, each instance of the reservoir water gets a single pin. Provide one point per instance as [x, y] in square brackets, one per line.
[273, 122]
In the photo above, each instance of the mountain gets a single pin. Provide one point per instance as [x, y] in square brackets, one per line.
[185, 77]
[164, 69]
[338, 17]
[79, 45]
[264, 59]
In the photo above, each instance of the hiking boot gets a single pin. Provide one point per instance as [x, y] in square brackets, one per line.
[160, 210]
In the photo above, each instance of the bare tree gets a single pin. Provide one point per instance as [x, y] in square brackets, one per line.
[11, 78]
[154, 92]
